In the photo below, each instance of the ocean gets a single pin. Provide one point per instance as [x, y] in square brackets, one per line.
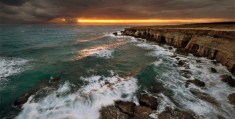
[72, 71]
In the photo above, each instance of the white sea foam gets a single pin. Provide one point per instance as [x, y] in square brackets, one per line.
[11, 66]
[105, 53]
[172, 80]
[85, 103]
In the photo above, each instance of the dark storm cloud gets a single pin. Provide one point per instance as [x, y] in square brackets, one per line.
[41, 11]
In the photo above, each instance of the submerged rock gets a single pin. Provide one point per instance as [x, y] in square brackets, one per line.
[213, 70]
[141, 112]
[111, 112]
[148, 101]
[185, 73]
[181, 62]
[228, 79]
[125, 107]
[195, 82]
[176, 114]
[231, 98]
[204, 96]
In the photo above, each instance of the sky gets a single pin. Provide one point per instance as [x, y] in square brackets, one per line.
[71, 11]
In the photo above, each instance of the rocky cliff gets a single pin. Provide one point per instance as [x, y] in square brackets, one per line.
[207, 42]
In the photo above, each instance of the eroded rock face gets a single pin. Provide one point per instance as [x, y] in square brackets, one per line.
[148, 101]
[231, 98]
[176, 114]
[213, 44]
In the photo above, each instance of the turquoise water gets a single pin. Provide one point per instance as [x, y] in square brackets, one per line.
[94, 68]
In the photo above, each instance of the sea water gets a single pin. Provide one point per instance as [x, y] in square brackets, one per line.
[72, 71]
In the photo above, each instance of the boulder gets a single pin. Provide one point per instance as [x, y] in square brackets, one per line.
[148, 101]
[228, 79]
[176, 114]
[231, 98]
[195, 82]
[141, 112]
[125, 107]
[111, 112]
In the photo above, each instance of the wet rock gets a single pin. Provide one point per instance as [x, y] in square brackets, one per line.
[176, 114]
[115, 33]
[214, 62]
[170, 48]
[204, 96]
[111, 112]
[177, 58]
[149, 101]
[125, 107]
[174, 56]
[198, 61]
[213, 70]
[23, 99]
[181, 51]
[231, 98]
[228, 79]
[196, 82]
[181, 62]
[141, 112]
[185, 73]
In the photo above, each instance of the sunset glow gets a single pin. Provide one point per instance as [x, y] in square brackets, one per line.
[144, 21]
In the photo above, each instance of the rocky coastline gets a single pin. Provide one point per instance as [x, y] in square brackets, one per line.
[214, 41]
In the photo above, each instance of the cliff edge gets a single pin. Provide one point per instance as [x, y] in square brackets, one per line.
[213, 40]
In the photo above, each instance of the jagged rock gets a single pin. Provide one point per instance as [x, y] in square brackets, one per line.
[141, 112]
[176, 114]
[148, 101]
[23, 99]
[195, 82]
[111, 112]
[125, 107]
[228, 79]
[213, 70]
[204, 96]
[231, 98]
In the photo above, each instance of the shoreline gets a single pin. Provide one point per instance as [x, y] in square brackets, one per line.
[213, 41]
